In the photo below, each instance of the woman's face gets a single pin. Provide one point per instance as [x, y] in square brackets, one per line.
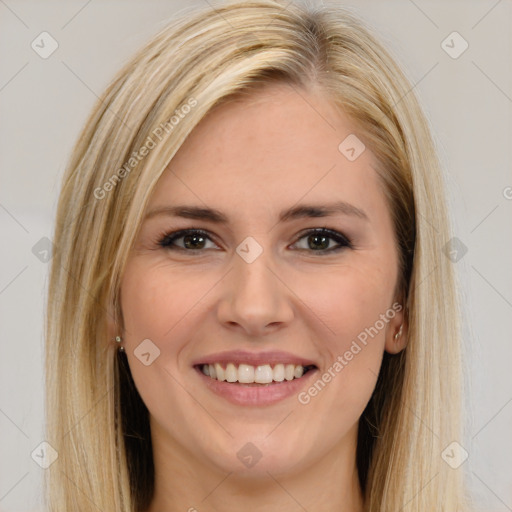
[255, 288]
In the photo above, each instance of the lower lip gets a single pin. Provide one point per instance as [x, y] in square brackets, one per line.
[256, 395]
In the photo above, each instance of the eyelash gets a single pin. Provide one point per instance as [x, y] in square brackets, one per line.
[167, 240]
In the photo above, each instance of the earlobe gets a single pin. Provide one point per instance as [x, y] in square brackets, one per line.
[397, 334]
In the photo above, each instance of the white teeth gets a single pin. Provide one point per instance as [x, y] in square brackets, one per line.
[297, 373]
[245, 373]
[279, 372]
[289, 371]
[231, 373]
[263, 374]
[221, 373]
[248, 374]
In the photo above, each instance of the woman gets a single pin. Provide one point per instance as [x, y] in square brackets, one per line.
[212, 344]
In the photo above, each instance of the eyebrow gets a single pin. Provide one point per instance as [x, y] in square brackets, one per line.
[295, 212]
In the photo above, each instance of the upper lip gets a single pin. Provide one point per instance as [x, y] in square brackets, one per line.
[254, 358]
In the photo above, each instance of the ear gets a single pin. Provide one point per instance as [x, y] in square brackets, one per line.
[397, 330]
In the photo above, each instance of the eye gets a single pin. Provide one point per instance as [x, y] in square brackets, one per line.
[192, 240]
[319, 239]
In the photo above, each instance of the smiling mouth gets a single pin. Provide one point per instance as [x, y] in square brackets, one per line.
[249, 375]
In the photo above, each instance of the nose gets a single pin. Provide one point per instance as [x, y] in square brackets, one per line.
[255, 298]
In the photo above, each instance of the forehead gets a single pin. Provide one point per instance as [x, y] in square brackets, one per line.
[273, 146]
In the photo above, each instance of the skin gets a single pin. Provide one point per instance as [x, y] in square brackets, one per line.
[251, 159]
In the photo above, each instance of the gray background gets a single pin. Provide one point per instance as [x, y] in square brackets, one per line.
[44, 102]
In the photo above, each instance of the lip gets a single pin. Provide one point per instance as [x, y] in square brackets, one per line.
[254, 358]
[262, 395]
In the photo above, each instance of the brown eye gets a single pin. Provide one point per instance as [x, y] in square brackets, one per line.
[185, 240]
[320, 240]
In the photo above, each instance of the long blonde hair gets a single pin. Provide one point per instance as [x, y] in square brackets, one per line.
[95, 417]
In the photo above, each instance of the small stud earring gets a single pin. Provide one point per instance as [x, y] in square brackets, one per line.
[399, 333]
[119, 340]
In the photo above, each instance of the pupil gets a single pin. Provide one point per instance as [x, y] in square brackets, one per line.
[194, 239]
[324, 241]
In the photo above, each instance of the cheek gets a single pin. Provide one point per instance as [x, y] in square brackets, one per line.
[157, 300]
[357, 308]
[354, 302]
[158, 304]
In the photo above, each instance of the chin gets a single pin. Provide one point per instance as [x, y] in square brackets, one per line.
[256, 457]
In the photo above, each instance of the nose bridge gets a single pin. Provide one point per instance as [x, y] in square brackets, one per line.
[254, 282]
[254, 297]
